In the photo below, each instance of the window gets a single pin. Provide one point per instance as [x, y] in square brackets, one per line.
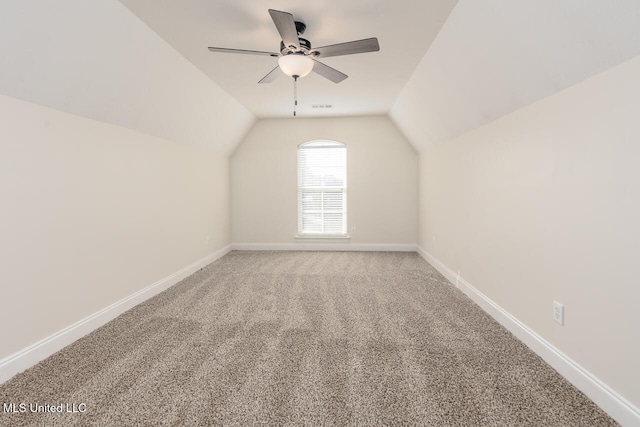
[322, 189]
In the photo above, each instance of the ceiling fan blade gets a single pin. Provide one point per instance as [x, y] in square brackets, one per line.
[287, 28]
[328, 72]
[348, 48]
[273, 74]
[248, 52]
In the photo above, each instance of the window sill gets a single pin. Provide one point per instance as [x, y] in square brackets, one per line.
[344, 237]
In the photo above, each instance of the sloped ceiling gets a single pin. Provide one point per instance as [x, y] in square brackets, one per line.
[493, 57]
[97, 60]
[445, 67]
[404, 28]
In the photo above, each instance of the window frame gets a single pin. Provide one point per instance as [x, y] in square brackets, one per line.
[318, 145]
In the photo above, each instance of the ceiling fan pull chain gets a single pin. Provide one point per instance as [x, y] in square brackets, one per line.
[295, 94]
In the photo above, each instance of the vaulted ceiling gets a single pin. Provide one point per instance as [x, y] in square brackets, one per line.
[493, 57]
[444, 67]
[405, 30]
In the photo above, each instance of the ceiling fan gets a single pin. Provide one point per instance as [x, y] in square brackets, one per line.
[297, 57]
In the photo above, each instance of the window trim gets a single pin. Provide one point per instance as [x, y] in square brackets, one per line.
[309, 145]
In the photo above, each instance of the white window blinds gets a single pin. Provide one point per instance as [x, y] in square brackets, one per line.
[322, 188]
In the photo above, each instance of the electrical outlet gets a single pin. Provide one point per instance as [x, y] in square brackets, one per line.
[353, 230]
[558, 313]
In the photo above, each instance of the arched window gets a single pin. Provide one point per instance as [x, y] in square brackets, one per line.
[322, 189]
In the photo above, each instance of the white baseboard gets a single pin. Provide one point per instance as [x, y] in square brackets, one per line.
[33, 354]
[606, 398]
[317, 246]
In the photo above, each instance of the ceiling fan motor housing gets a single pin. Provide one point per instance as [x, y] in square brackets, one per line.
[305, 47]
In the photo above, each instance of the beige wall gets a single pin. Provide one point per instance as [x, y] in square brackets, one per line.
[381, 180]
[91, 213]
[543, 205]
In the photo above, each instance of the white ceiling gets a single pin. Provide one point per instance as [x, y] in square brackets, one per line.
[493, 57]
[95, 59]
[405, 29]
[444, 68]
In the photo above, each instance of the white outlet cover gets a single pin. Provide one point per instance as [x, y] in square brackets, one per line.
[558, 313]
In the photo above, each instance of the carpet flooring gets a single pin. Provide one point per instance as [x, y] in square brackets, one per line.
[300, 338]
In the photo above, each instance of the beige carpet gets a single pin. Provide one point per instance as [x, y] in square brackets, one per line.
[302, 338]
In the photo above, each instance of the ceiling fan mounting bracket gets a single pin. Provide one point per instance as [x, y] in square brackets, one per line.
[300, 27]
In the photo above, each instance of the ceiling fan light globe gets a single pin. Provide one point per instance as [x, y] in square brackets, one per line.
[295, 65]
